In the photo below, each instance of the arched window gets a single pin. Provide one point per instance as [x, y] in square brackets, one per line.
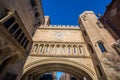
[36, 14]
[52, 49]
[23, 41]
[21, 37]
[9, 22]
[102, 47]
[46, 48]
[75, 49]
[41, 48]
[26, 43]
[80, 49]
[99, 70]
[35, 48]
[90, 48]
[69, 49]
[17, 33]
[13, 28]
[33, 3]
[84, 32]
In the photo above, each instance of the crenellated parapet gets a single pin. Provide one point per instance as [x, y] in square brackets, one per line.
[60, 26]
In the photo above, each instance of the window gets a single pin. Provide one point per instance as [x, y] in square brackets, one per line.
[46, 48]
[41, 48]
[69, 49]
[13, 28]
[90, 48]
[99, 70]
[102, 48]
[36, 14]
[80, 49]
[21, 37]
[4, 13]
[9, 22]
[26, 44]
[116, 46]
[33, 3]
[22, 43]
[17, 33]
[99, 24]
[84, 32]
[74, 47]
[35, 47]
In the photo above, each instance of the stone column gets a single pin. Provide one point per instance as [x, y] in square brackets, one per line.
[60, 50]
[49, 47]
[81, 48]
[66, 50]
[71, 50]
[43, 49]
[55, 49]
[77, 50]
[38, 49]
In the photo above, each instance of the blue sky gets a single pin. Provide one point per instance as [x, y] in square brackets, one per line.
[67, 11]
[58, 74]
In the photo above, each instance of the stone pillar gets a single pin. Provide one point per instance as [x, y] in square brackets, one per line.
[38, 49]
[71, 50]
[54, 49]
[77, 50]
[66, 50]
[81, 48]
[50, 49]
[43, 49]
[60, 49]
[48, 52]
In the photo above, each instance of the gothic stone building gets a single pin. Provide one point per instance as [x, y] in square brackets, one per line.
[30, 46]
[111, 21]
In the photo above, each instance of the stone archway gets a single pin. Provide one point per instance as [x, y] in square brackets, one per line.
[5, 53]
[6, 65]
[39, 67]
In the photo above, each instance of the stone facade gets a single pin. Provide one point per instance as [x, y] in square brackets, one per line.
[111, 18]
[111, 22]
[84, 51]
[16, 30]
[105, 58]
[60, 47]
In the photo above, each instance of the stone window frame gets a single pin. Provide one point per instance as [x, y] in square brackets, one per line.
[80, 49]
[13, 14]
[75, 49]
[35, 48]
[102, 48]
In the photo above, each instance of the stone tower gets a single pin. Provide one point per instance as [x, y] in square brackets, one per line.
[99, 42]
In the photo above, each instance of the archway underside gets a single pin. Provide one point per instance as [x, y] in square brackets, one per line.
[37, 70]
